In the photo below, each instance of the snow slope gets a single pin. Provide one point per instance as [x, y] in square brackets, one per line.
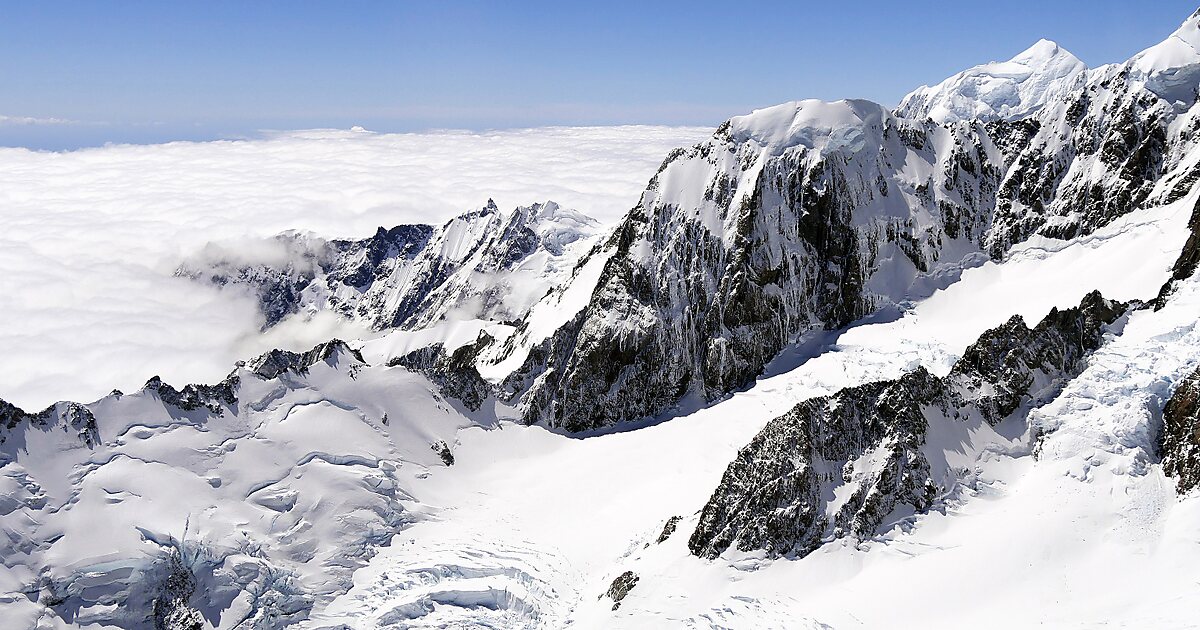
[1172, 67]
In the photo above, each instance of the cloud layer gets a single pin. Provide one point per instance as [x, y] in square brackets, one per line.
[89, 238]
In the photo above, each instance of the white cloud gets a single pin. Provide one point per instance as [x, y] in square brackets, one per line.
[29, 120]
[88, 239]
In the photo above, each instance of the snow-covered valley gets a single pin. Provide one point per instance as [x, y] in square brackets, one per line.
[838, 367]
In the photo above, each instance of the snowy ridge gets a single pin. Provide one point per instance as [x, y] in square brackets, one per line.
[1005, 90]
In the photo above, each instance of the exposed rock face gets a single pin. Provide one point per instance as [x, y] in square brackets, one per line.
[620, 587]
[214, 398]
[668, 529]
[838, 465]
[811, 215]
[1180, 438]
[455, 374]
[483, 264]
[744, 242]
[870, 436]
[271, 364]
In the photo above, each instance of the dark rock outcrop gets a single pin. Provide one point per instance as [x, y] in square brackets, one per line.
[454, 374]
[668, 529]
[272, 364]
[870, 441]
[214, 398]
[443, 451]
[1179, 442]
[620, 587]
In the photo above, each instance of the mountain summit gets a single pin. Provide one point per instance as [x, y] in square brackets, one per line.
[999, 89]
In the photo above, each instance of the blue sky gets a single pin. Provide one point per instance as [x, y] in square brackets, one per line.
[154, 71]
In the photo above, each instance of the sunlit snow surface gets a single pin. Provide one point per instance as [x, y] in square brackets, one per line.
[537, 524]
[89, 239]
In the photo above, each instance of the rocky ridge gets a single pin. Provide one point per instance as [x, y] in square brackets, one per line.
[484, 264]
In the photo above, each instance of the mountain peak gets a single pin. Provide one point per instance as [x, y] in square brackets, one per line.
[1042, 51]
[998, 89]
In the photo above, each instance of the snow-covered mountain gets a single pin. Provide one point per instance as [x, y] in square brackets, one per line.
[835, 359]
[811, 215]
[1007, 90]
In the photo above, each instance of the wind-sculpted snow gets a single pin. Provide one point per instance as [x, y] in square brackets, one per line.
[237, 505]
[838, 466]
[441, 581]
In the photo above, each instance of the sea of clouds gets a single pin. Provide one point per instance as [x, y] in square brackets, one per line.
[89, 239]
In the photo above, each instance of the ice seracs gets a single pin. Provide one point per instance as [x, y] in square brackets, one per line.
[999, 89]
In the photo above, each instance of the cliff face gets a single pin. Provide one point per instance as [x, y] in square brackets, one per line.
[1179, 443]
